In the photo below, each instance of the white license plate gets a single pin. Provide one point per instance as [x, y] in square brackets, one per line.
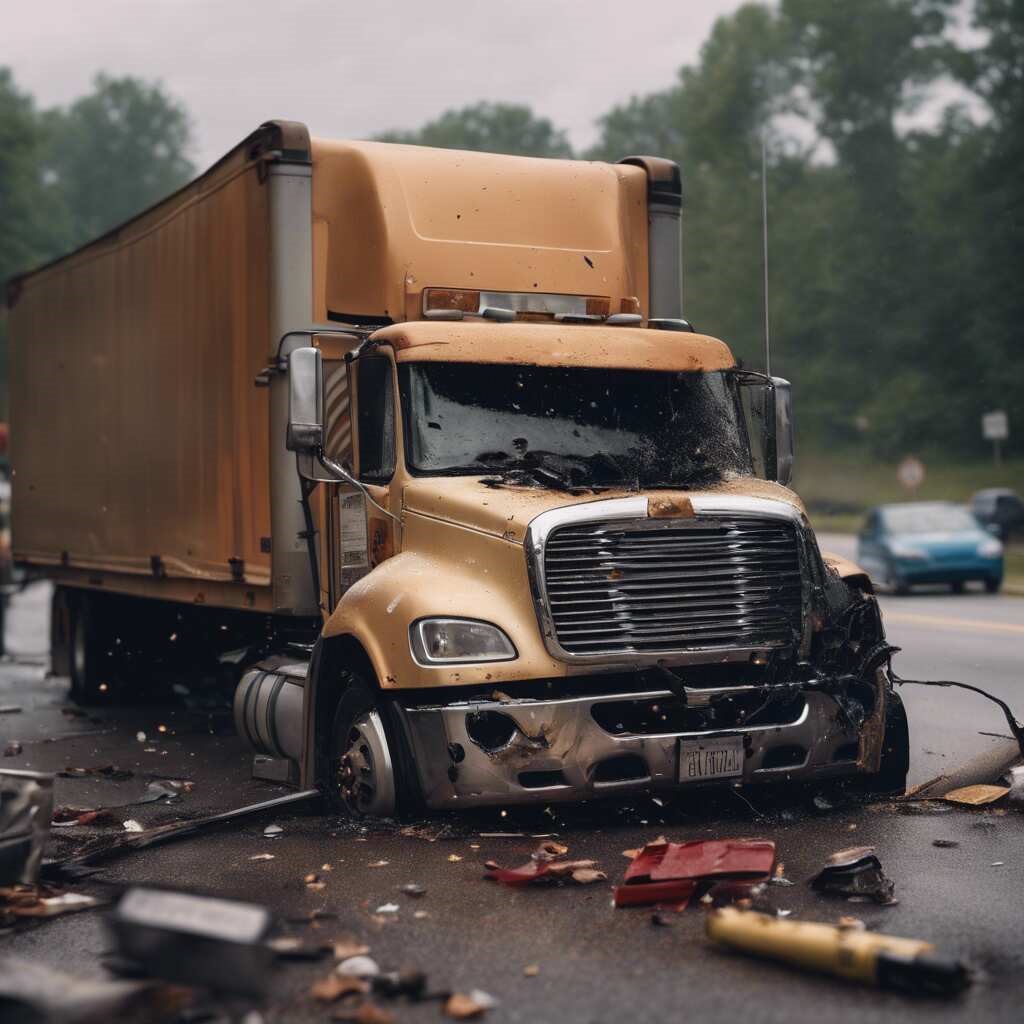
[717, 758]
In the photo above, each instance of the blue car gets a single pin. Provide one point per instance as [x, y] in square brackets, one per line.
[928, 542]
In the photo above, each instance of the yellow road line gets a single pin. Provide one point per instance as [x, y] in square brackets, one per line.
[949, 623]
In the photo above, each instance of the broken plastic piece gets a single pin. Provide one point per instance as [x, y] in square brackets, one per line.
[855, 872]
[195, 940]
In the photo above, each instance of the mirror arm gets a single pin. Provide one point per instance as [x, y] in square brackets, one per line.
[343, 474]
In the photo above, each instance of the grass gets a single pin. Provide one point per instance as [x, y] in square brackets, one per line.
[839, 489]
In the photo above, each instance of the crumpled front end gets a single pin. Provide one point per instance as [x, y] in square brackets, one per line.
[710, 647]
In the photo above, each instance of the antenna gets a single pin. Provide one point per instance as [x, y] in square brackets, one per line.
[764, 254]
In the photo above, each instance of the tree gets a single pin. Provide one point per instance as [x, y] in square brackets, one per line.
[489, 127]
[116, 151]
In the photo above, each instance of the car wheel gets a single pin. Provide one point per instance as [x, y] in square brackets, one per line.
[993, 583]
[895, 581]
[957, 586]
[361, 777]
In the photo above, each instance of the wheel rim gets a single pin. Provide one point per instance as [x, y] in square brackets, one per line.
[366, 778]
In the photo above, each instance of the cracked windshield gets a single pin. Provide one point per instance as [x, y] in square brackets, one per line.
[568, 427]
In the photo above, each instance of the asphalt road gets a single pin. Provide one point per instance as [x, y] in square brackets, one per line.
[595, 963]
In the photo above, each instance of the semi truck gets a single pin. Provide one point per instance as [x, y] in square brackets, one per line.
[420, 447]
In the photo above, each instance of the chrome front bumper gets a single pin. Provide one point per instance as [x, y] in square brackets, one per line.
[560, 741]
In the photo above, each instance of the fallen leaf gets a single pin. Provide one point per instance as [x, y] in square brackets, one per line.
[334, 986]
[346, 948]
[365, 1013]
[587, 876]
[461, 1006]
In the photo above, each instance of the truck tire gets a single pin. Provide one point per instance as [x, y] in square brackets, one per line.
[89, 659]
[361, 779]
[891, 777]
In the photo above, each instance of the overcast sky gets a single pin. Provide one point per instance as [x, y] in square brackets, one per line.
[352, 69]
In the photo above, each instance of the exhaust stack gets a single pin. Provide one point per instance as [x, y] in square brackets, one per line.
[664, 233]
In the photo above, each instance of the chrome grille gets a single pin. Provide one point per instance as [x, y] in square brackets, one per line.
[669, 585]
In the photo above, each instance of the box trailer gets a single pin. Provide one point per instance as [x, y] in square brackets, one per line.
[420, 442]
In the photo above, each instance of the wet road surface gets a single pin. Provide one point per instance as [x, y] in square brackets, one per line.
[596, 964]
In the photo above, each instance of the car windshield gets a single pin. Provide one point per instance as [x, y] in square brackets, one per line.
[571, 427]
[912, 518]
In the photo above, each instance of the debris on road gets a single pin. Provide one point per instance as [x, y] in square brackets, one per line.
[670, 873]
[26, 809]
[907, 965]
[976, 796]
[131, 825]
[107, 847]
[945, 844]
[855, 873]
[546, 864]
[460, 1006]
[42, 901]
[335, 986]
[104, 771]
[273, 831]
[64, 817]
[359, 966]
[413, 889]
[346, 948]
[195, 940]
[13, 749]
[9, 709]
[31, 992]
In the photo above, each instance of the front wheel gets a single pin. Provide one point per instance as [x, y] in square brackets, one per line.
[361, 774]
[993, 583]
[891, 777]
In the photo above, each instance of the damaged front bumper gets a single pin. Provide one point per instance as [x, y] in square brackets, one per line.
[485, 752]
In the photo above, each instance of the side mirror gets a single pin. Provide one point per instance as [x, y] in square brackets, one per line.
[784, 441]
[305, 401]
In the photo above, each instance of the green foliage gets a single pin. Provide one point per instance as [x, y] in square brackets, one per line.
[491, 128]
[115, 152]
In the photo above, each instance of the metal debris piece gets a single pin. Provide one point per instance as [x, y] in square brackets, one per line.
[26, 809]
[358, 967]
[412, 889]
[262, 856]
[461, 1006]
[387, 908]
[976, 796]
[195, 940]
[273, 831]
[855, 872]
[164, 789]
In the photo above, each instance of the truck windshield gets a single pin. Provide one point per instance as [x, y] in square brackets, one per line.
[568, 427]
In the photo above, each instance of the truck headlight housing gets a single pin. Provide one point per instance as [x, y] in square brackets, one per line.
[458, 642]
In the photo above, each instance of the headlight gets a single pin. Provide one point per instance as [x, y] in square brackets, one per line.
[990, 549]
[457, 641]
[909, 553]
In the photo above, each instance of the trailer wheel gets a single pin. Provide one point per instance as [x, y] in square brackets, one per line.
[361, 776]
[89, 661]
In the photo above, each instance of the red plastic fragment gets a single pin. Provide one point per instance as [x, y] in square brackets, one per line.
[671, 872]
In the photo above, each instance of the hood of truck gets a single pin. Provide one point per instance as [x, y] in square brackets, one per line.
[506, 510]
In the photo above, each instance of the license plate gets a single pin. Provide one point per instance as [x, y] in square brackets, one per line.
[718, 758]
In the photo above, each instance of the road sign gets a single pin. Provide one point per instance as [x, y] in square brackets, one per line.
[910, 472]
[995, 426]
